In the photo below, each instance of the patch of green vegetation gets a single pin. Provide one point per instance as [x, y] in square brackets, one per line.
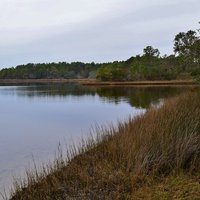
[177, 187]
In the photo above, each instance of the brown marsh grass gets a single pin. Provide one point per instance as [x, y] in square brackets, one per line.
[94, 82]
[153, 156]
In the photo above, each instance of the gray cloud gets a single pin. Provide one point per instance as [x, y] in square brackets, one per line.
[88, 30]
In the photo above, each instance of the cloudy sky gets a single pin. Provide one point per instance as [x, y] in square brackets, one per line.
[90, 30]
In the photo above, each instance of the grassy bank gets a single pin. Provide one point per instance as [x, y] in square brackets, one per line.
[94, 82]
[153, 156]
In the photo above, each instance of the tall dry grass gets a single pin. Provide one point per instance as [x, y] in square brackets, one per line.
[116, 163]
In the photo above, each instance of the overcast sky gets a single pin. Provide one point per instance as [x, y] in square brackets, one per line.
[90, 30]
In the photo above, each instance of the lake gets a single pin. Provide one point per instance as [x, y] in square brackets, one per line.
[34, 119]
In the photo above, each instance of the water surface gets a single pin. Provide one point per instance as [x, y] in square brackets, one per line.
[35, 118]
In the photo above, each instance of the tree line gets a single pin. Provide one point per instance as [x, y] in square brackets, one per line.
[185, 62]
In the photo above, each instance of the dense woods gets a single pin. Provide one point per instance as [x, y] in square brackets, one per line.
[184, 63]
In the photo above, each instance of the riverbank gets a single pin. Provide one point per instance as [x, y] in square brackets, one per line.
[94, 82]
[153, 156]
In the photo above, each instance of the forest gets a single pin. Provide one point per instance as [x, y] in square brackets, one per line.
[184, 63]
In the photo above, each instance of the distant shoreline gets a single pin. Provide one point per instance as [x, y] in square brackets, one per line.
[94, 82]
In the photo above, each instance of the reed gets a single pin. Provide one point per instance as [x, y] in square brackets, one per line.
[152, 156]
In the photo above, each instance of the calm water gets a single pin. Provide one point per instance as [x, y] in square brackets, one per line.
[35, 118]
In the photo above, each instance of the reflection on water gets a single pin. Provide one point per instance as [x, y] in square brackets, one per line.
[34, 118]
[139, 97]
